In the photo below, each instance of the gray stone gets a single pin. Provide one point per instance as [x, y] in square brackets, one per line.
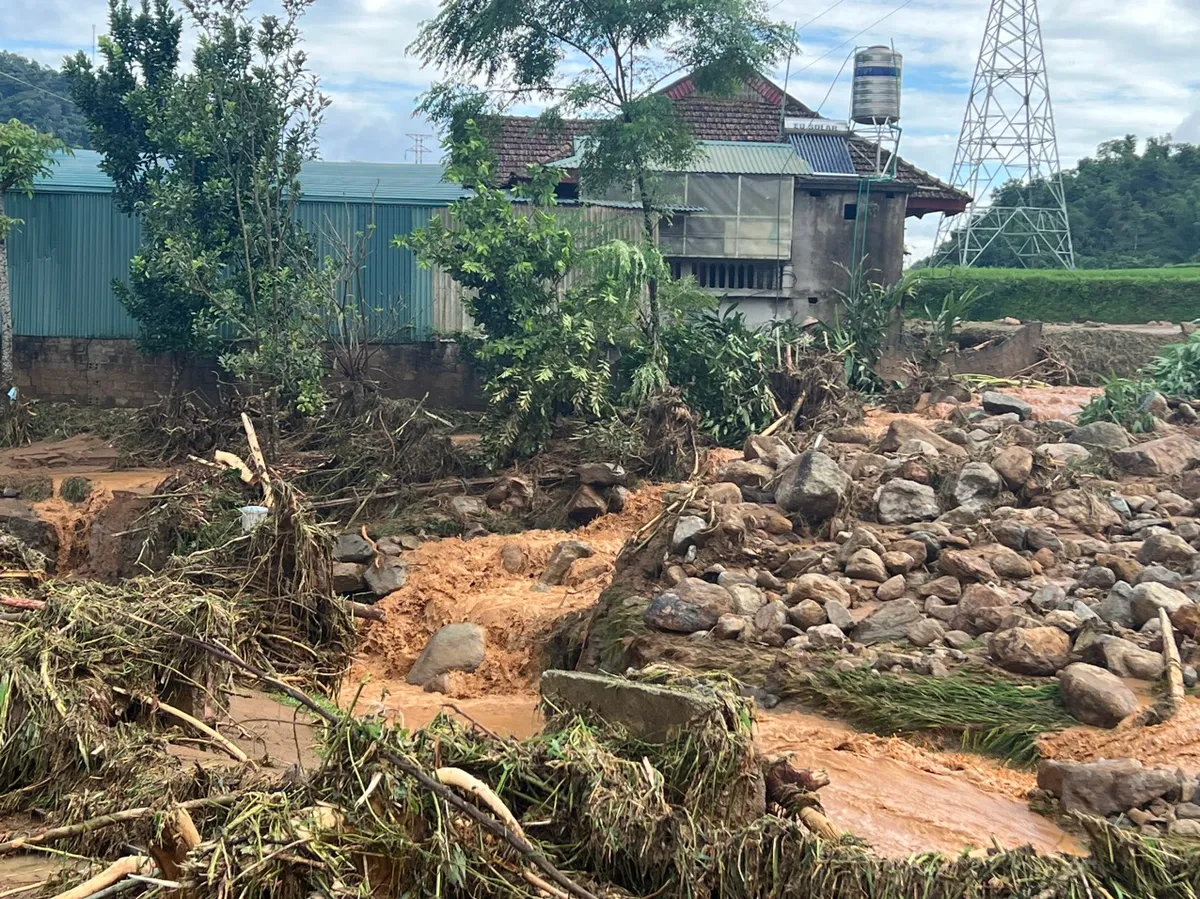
[839, 615]
[1047, 597]
[352, 548]
[976, 486]
[946, 587]
[769, 450]
[902, 429]
[887, 624]
[981, 608]
[807, 613]
[1042, 537]
[687, 529]
[467, 508]
[1184, 827]
[1083, 612]
[1166, 548]
[1117, 607]
[513, 558]
[812, 486]
[999, 404]
[1188, 811]
[747, 475]
[1103, 434]
[1012, 534]
[797, 564]
[618, 498]
[562, 557]
[1190, 676]
[1126, 659]
[651, 712]
[1105, 787]
[349, 577]
[1096, 578]
[825, 635]
[1031, 650]
[1008, 564]
[455, 647]
[1148, 598]
[1159, 574]
[601, 474]
[1066, 453]
[900, 501]
[867, 565]
[924, 632]
[729, 627]
[388, 576]
[916, 447]
[1096, 696]
[957, 639]
[747, 598]
[770, 617]
[893, 588]
[510, 495]
[1066, 621]
[860, 538]
[1165, 456]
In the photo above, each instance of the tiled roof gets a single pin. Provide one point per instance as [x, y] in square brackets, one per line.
[729, 157]
[863, 153]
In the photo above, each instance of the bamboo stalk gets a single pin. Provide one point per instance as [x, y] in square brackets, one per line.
[1173, 668]
[118, 870]
[220, 739]
[259, 461]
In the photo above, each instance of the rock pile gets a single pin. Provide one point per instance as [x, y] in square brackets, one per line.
[1156, 800]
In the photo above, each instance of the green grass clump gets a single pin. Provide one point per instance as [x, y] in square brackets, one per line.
[978, 711]
[1123, 402]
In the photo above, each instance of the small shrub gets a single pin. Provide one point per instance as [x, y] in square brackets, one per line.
[1176, 370]
[1122, 402]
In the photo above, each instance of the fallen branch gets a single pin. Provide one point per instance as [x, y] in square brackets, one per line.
[220, 739]
[362, 610]
[23, 603]
[819, 824]
[118, 870]
[1173, 668]
[259, 461]
[456, 777]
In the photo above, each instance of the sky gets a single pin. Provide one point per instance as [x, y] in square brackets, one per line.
[1115, 68]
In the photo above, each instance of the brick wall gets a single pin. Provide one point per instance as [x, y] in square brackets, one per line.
[111, 372]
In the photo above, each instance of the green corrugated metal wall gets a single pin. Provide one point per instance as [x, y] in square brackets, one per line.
[63, 259]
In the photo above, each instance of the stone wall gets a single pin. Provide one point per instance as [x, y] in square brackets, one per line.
[111, 372]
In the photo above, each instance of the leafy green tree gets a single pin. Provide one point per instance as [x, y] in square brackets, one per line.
[606, 59]
[25, 154]
[40, 97]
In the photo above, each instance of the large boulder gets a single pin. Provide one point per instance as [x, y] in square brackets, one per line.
[901, 430]
[455, 647]
[981, 609]
[691, 605]
[1014, 464]
[1031, 650]
[1165, 548]
[1089, 512]
[1105, 787]
[813, 486]
[562, 557]
[976, 485]
[1149, 597]
[999, 404]
[647, 711]
[352, 548]
[1157, 458]
[901, 501]
[1096, 696]
[865, 564]
[1126, 659]
[820, 587]
[747, 475]
[1103, 434]
[888, 624]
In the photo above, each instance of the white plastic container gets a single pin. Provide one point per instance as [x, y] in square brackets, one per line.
[252, 517]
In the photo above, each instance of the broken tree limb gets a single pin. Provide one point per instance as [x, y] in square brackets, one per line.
[231, 748]
[409, 767]
[118, 870]
[231, 460]
[179, 837]
[23, 603]
[259, 461]
[819, 824]
[362, 610]
[456, 777]
[1173, 667]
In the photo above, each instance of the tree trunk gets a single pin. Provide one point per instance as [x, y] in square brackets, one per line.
[6, 327]
[654, 312]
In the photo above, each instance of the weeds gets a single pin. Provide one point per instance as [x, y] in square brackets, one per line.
[1123, 402]
[1176, 370]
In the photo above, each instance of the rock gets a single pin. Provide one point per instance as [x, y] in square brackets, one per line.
[797, 563]
[820, 587]
[583, 571]
[1087, 511]
[960, 517]
[618, 497]
[1012, 534]
[924, 632]
[747, 598]
[455, 647]
[1095, 696]
[1008, 564]
[1126, 659]
[348, 577]
[408, 541]
[768, 519]
[927, 538]
[839, 615]
[770, 617]
[915, 447]
[902, 429]
[1065, 453]
[562, 557]
[387, 576]
[1117, 607]
[898, 562]
[914, 548]
[586, 505]
[687, 530]
[825, 635]
[769, 450]
[352, 548]
[729, 627]
[976, 486]
[981, 609]
[901, 501]
[1042, 537]
[999, 404]
[1098, 577]
[1158, 574]
[868, 465]
[467, 508]
[1031, 650]
[865, 564]
[888, 623]
[812, 486]
[648, 712]
[1048, 597]
[1190, 676]
[860, 538]
[964, 566]
[893, 588]
[1183, 827]
[1148, 598]
[1103, 434]
[747, 475]
[510, 495]
[1065, 620]
[601, 474]
[439, 684]
[913, 469]
[1187, 811]
[691, 605]
[1105, 787]
[720, 493]
[957, 639]
[1165, 548]
[1186, 620]
[807, 613]
[1014, 464]
[946, 587]
[1163, 457]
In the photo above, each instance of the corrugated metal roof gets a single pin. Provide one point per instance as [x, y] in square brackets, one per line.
[320, 180]
[729, 157]
[827, 154]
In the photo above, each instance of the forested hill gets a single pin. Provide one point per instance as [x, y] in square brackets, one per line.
[40, 98]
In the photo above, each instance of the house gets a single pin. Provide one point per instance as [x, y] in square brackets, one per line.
[782, 202]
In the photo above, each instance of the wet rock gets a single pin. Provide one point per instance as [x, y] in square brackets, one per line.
[601, 474]
[806, 613]
[455, 647]
[839, 615]
[825, 636]
[914, 548]
[902, 429]
[865, 564]
[893, 588]
[1098, 577]
[812, 486]
[1105, 787]
[585, 505]
[1008, 564]
[1165, 548]
[1031, 650]
[1000, 404]
[901, 501]
[976, 486]
[898, 562]
[1095, 696]
[562, 557]
[755, 476]
[1102, 434]
[1147, 599]
[352, 548]
[965, 566]
[924, 632]
[348, 577]
[1126, 659]
[820, 587]
[387, 575]
[946, 587]
[888, 624]
[1014, 464]
[769, 450]
[691, 605]
[510, 495]
[729, 627]
[1163, 457]
[981, 608]
[1089, 512]
[687, 530]
[770, 617]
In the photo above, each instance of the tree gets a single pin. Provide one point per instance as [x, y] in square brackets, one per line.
[40, 97]
[607, 59]
[25, 154]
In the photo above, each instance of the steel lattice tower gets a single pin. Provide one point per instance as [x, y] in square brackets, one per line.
[1008, 136]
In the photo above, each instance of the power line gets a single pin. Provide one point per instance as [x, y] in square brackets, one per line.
[36, 88]
[855, 36]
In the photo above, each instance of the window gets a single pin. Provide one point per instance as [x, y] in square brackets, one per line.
[743, 216]
[850, 212]
[726, 275]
